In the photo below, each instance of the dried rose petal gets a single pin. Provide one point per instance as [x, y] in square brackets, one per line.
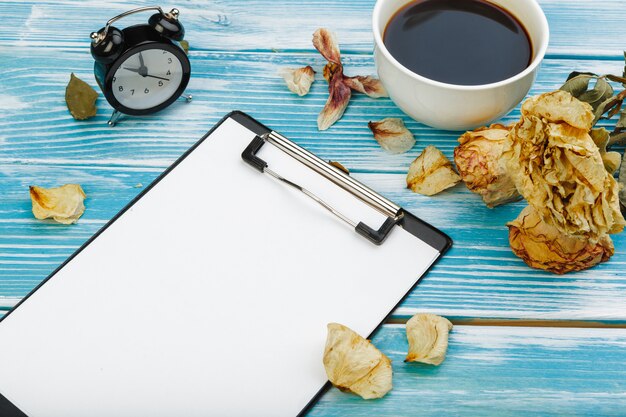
[367, 85]
[326, 43]
[482, 167]
[338, 99]
[560, 106]
[64, 204]
[558, 168]
[354, 364]
[392, 135]
[431, 172]
[299, 80]
[543, 246]
[340, 86]
[428, 338]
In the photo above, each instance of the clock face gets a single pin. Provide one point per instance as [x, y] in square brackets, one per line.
[147, 79]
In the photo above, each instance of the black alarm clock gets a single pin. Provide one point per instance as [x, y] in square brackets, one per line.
[141, 69]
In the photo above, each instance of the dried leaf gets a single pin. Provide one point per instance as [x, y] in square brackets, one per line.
[185, 45]
[80, 98]
[577, 85]
[482, 167]
[299, 80]
[431, 172]
[326, 43]
[338, 99]
[367, 85]
[354, 364]
[428, 338]
[543, 246]
[392, 135]
[611, 160]
[558, 168]
[64, 204]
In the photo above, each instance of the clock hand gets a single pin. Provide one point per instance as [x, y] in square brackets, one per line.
[154, 76]
[138, 70]
[141, 64]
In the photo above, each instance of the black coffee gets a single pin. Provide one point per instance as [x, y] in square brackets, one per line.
[466, 42]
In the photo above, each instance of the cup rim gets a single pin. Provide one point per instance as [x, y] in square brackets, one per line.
[539, 56]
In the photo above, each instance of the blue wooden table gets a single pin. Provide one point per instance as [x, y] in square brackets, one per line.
[525, 342]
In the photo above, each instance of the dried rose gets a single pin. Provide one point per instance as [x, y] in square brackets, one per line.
[431, 172]
[543, 246]
[64, 204]
[80, 98]
[353, 364]
[560, 106]
[392, 135]
[558, 168]
[428, 338]
[481, 166]
[340, 86]
[299, 80]
[611, 160]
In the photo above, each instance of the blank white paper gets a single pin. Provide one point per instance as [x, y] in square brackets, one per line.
[210, 296]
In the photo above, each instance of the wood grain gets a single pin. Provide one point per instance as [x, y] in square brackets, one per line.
[579, 28]
[500, 371]
[480, 278]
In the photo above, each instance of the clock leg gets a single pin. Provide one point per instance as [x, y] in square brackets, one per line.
[114, 118]
[186, 97]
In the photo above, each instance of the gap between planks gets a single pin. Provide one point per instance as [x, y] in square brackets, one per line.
[584, 324]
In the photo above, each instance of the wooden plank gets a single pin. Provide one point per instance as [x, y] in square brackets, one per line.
[500, 371]
[41, 144]
[578, 27]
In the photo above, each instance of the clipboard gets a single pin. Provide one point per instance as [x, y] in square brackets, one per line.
[209, 294]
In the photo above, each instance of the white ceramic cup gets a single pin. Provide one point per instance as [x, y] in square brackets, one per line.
[450, 106]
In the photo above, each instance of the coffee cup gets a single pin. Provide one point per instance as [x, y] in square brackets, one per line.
[452, 106]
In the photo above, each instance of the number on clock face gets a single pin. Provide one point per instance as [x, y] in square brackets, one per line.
[147, 79]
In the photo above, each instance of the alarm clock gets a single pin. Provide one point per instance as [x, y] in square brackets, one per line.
[141, 69]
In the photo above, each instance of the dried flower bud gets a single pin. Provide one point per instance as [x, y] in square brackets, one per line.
[428, 338]
[299, 80]
[558, 168]
[431, 172]
[392, 135]
[64, 204]
[80, 98]
[353, 364]
[543, 246]
[482, 167]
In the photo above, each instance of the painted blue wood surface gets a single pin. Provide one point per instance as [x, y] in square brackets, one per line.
[479, 278]
[237, 49]
[500, 372]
